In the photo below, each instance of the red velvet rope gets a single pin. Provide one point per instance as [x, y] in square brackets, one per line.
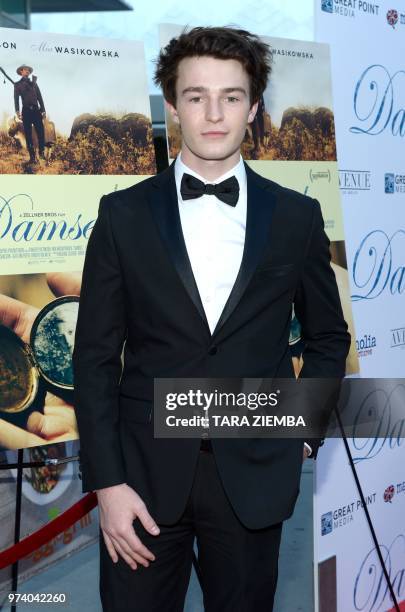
[54, 528]
[49, 531]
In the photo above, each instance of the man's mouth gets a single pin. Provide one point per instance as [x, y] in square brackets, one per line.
[214, 134]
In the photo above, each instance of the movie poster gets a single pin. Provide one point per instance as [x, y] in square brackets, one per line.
[292, 141]
[75, 124]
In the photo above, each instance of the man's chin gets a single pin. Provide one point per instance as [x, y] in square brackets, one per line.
[215, 154]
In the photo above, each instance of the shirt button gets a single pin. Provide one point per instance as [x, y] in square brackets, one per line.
[213, 350]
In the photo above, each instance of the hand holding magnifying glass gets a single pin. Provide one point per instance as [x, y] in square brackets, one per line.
[57, 422]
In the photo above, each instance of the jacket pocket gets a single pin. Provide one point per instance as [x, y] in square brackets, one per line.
[274, 271]
[135, 409]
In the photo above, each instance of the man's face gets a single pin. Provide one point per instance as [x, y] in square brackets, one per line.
[25, 72]
[212, 106]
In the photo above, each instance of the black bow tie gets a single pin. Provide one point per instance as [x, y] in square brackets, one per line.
[227, 191]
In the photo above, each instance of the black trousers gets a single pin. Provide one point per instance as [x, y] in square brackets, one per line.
[32, 116]
[239, 566]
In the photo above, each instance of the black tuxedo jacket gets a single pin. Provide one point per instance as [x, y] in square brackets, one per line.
[138, 292]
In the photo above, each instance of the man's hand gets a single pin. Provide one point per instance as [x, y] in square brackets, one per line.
[18, 113]
[57, 422]
[118, 506]
[305, 453]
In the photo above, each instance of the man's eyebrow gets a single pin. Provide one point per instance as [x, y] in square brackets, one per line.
[204, 89]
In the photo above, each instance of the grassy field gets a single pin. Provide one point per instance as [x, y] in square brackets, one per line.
[92, 152]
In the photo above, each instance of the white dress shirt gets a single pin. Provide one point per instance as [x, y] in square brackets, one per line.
[214, 233]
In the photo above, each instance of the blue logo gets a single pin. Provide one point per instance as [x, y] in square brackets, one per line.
[365, 345]
[389, 182]
[327, 6]
[370, 588]
[385, 403]
[326, 523]
[379, 265]
[394, 183]
[377, 102]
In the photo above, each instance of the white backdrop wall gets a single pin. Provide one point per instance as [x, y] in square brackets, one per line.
[368, 75]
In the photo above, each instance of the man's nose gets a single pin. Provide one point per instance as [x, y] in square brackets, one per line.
[214, 111]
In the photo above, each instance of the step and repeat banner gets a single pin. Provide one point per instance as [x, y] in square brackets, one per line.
[367, 42]
[75, 123]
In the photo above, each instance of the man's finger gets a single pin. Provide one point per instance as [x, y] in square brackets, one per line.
[48, 426]
[137, 546]
[13, 437]
[110, 547]
[127, 558]
[55, 401]
[131, 552]
[17, 315]
[65, 412]
[147, 521]
[64, 283]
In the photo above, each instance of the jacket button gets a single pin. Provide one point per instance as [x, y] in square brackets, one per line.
[213, 350]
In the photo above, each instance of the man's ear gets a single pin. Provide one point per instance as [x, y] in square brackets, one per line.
[172, 111]
[252, 112]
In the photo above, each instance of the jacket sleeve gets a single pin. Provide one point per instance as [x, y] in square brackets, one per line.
[40, 100]
[319, 311]
[16, 98]
[100, 333]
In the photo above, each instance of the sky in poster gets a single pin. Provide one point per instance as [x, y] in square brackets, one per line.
[73, 84]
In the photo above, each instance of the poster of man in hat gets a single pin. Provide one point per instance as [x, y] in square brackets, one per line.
[33, 110]
[96, 122]
[97, 138]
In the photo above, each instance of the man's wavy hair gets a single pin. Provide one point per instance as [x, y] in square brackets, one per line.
[221, 43]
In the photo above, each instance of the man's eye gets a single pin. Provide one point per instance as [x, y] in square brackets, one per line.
[232, 99]
[196, 99]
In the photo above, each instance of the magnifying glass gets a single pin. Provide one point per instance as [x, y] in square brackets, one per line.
[48, 355]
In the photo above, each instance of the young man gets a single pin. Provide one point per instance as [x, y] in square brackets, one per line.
[194, 270]
[33, 110]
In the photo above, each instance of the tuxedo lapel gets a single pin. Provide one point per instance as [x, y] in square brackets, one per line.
[165, 210]
[260, 206]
